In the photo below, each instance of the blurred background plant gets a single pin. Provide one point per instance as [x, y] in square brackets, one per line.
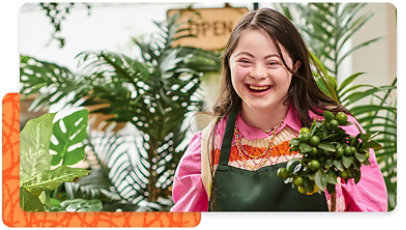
[328, 29]
[153, 93]
[57, 13]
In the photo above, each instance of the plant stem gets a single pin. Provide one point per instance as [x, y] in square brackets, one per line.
[333, 199]
[153, 153]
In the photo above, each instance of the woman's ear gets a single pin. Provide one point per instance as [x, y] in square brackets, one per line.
[296, 66]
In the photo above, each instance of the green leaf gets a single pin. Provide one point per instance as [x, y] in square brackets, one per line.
[357, 176]
[29, 202]
[314, 127]
[360, 157]
[349, 80]
[305, 148]
[331, 177]
[359, 95]
[328, 163]
[357, 47]
[34, 146]
[326, 146]
[77, 205]
[320, 179]
[347, 161]
[361, 109]
[308, 184]
[51, 179]
[73, 133]
[55, 202]
[338, 165]
[322, 86]
[292, 164]
[372, 144]
[297, 168]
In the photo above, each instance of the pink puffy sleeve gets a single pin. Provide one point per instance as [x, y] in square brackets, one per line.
[369, 194]
[188, 192]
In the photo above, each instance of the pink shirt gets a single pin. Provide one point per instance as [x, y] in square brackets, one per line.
[189, 193]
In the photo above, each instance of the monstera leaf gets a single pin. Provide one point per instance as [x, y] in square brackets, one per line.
[70, 132]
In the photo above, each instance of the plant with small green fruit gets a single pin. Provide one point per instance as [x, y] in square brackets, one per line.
[327, 152]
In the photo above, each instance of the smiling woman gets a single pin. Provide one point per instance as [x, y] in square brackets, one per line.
[268, 93]
[260, 78]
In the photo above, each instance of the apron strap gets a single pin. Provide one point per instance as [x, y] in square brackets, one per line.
[228, 138]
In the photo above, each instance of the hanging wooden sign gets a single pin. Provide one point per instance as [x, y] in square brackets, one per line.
[210, 26]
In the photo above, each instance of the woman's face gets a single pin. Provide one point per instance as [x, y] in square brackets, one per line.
[258, 74]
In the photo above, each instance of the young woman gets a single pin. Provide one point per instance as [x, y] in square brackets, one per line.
[268, 93]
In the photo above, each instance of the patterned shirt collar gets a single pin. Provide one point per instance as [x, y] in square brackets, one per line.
[251, 133]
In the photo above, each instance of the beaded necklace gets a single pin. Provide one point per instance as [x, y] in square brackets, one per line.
[267, 150]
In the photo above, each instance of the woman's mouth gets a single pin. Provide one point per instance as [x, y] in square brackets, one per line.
[258, 88]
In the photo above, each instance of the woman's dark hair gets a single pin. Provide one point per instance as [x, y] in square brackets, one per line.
[303, 91]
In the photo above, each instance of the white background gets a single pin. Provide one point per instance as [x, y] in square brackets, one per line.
[9, 75]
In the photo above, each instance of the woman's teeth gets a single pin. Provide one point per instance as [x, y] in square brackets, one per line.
[259, 88]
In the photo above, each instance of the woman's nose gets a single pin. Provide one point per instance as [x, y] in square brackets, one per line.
[258, 72]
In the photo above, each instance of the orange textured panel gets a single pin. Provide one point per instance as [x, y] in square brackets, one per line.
[14, 216]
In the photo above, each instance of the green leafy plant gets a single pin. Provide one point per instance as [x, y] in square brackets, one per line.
[327, 153]
[153, 93]
[77, 205]
[327, 28]
[36, 177]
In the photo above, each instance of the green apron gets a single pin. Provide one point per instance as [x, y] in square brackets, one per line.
[237, 189]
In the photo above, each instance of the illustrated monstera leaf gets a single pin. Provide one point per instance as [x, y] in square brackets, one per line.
[70, 132]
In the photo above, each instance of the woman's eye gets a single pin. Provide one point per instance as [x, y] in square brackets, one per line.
[273, 63]
[245, 61]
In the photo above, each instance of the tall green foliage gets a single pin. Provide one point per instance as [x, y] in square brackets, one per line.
[327, 28]
[153, 92]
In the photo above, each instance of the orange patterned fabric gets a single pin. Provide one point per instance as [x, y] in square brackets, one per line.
[280, 153]
[14, 216]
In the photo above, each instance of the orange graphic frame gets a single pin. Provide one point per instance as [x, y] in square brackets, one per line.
[15, 216]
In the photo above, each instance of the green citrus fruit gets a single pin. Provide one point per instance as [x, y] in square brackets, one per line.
[348, 151]
[302, 190]
[282, 173]
[314, 165]
[304, 130]
[339, 152]
[298, 181]
[314, 151]
[314, 140]
[328, 115]
[367, 155]
[353, 149]
[341, 118]
[333, 124]
[304, 137]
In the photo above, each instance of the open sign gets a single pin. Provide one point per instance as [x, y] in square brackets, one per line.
[211, 27]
